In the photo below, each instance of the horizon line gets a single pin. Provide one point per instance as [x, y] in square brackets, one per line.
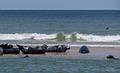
[67, 9]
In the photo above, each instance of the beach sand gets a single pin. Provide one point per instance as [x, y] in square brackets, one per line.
[95, 53]
[73, 53]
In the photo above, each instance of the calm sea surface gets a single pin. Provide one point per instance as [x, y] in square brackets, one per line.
[57, 65]
[54, 21]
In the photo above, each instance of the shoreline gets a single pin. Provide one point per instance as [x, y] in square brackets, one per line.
[73, 53]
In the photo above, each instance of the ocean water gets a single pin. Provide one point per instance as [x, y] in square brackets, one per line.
[57, 65]
[89, 25]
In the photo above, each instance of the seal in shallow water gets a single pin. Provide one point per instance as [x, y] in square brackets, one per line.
[26, 56]
[110, 57]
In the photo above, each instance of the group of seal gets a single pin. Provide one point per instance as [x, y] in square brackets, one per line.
[10, 49]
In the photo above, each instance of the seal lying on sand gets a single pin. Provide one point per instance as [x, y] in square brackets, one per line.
[6, 46]
[31, 50]
[56, 48]
[42, 49]
[84, 50]
[9, 49]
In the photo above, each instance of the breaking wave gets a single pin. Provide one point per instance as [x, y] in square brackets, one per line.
[38, 36]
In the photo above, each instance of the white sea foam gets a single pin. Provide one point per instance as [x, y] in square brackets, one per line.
[99, 38]
[38, 36]
[23, 36]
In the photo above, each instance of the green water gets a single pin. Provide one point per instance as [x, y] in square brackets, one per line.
[57, 65]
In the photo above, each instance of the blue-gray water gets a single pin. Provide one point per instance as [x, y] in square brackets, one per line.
[54, 21]
[57, 65]
[90, 25]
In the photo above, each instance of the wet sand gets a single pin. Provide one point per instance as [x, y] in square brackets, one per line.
[73, 53]
[95, 53]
